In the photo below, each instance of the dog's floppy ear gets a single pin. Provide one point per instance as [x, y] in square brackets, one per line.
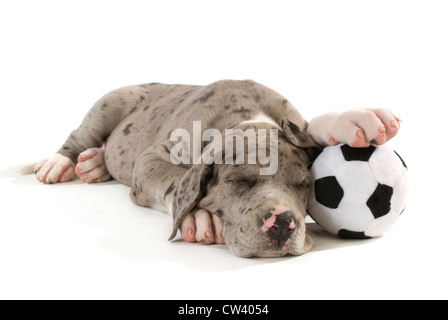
[189, 192]
[297, 136]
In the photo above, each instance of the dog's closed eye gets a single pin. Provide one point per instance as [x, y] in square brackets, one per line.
[242, 182]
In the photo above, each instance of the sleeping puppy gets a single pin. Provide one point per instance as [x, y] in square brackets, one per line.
[229, 161]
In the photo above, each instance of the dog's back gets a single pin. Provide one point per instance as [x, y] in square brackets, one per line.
[150, 112]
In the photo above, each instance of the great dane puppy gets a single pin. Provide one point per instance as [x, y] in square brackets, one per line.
[132, 135]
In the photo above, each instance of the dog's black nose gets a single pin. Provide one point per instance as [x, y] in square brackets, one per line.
[279, 226]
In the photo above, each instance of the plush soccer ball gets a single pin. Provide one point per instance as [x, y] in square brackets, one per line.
[358, 192]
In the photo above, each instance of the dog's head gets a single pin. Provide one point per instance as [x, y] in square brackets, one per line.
[263, 214]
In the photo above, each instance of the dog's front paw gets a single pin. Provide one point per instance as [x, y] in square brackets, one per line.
[362, 127]
[202, 226]
[57, 168]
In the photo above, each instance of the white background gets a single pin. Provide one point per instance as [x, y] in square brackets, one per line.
[89, 241]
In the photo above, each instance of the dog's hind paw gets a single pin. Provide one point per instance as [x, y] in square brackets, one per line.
[91, 167]
[57, 168]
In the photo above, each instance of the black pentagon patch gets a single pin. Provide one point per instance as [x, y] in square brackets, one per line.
[328, 192]
[344, 233]
[402, 161]
[379, 201]
[357, 154]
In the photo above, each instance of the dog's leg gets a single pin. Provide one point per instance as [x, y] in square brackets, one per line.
[155, 181]
[357, 128]
[96, 126]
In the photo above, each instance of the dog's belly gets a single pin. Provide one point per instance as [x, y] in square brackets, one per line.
[121, 154]
[132, 136]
